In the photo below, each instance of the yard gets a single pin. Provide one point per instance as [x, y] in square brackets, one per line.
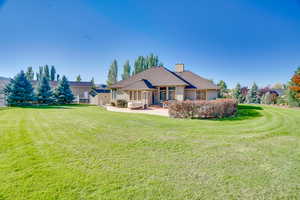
[85, 152]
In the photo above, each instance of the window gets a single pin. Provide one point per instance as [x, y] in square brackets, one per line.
[131, 95]
[163, 94]
[201, 95]
[171, 93]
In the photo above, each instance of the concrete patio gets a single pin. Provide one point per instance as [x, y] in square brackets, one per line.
[150, 110]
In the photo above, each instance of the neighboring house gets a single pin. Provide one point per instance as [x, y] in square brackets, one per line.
[3, 82]
[158, 84]
[80, 90]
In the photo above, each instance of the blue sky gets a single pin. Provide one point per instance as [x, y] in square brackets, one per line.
[234, 40]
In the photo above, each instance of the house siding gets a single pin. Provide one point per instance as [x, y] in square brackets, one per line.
[179, 93]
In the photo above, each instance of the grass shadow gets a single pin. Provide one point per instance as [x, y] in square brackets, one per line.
[244, 112]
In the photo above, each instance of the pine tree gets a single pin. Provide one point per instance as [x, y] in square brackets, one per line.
[52, 73]
[63, 93]
[238, 93]
[93, 83]
[46, 72]
[19, 91]
[126, 71]
[113, 73]
[30, 74]
[252, 96]
[57, 77]
[78, 78]
[44, 94]
[223, 89]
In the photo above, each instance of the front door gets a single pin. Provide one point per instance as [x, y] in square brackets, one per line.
[155, 98]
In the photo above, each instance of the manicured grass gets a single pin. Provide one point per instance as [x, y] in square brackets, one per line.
[85, 152]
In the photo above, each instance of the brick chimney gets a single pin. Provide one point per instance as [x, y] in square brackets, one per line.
[179, 68]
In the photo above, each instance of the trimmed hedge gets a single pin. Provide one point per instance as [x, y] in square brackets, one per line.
[203, 109]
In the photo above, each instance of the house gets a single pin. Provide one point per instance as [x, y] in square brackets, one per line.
[80, 90]
[159, 84]
[3, 82]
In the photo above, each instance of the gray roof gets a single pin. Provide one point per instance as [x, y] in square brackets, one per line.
[161, 76]
[157, 76]
[197, 81]
[139, 85]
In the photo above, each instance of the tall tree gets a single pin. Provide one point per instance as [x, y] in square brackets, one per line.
[151, 61]
[39, 75]
[237, 93]
[63, 92]
[29, 74]
[44, 94]
[113, 73]
[19, 91]
[52, 73]
[139, 65]
[57, 77]
[223, 89]
[252, 96]
[93, 83]
[126, 71]
[46, 72]
[294, 89]
[78, 78]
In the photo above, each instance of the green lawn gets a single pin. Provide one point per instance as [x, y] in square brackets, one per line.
[85, 152]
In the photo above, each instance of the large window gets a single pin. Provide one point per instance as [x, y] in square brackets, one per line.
[163, 94]
[201, 95]
[135, 95]
[171, 93]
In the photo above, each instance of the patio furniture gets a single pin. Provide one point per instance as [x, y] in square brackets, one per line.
[136, 105]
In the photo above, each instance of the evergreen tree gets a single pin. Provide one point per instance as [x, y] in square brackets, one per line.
[52, 73]
[19, 91]
[57, 77]
[126, 71]
[113, 73]
[63, 93]
[46, 72]
[223, 89]
[93, 83]
[44, 94]
[252, 96]
[37, 75]
[30, 74]
[237, 93]
[78, 78]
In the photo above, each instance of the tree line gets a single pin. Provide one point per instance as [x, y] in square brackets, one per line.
[265, 95]
[20, 92]
[140, 64]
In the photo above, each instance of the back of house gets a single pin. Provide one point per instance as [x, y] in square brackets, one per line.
[159, 84]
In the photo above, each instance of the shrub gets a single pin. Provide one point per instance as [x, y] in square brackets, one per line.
[121, 103]
[203, 109]
[113, 103]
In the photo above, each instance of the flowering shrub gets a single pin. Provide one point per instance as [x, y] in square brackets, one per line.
[203, 109]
